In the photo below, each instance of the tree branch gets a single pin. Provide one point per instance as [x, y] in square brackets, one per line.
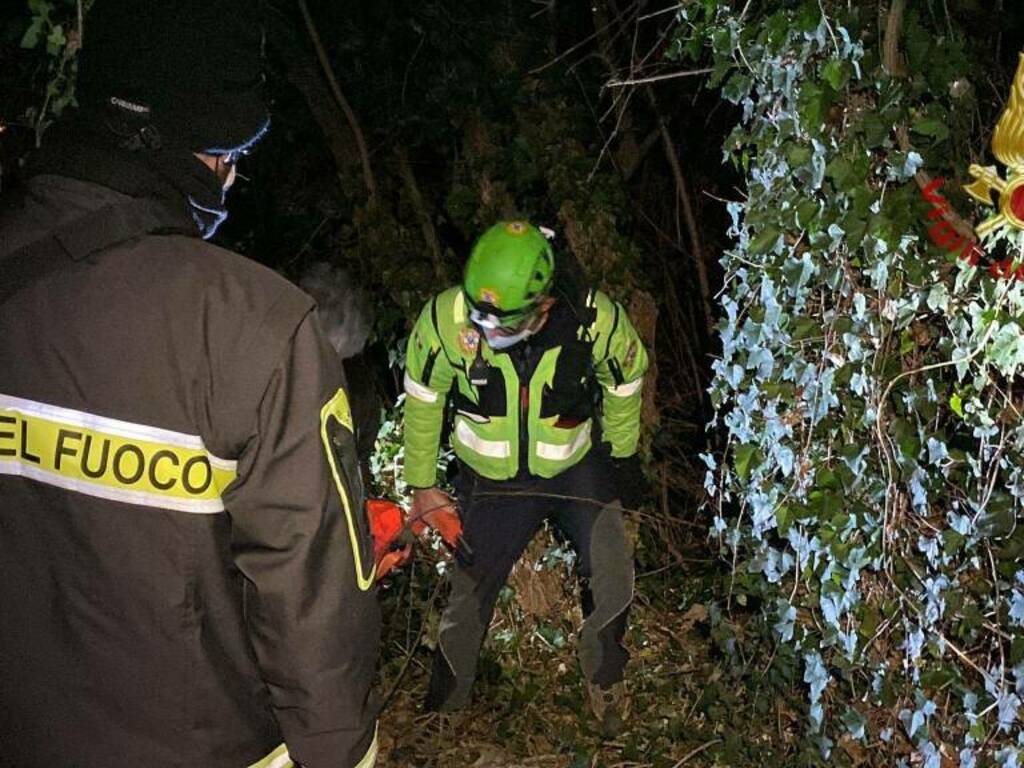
[648, 142]
[892, 62]
[364, 155]
[303, 71]
[891, 45]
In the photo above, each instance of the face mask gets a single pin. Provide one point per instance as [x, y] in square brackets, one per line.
[207, 218]
[497, 340]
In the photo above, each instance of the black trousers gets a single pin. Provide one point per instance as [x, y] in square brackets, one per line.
[499, 520]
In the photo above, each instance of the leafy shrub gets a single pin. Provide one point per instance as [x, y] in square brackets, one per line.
[873, 477]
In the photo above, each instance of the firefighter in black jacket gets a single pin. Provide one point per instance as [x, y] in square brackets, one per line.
[185, 568]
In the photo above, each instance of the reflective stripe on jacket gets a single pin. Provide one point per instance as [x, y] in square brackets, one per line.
[280, 758]
[445, 354]
[185, 567]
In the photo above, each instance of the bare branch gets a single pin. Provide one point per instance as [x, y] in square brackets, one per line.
[657, 78]
[364, 155]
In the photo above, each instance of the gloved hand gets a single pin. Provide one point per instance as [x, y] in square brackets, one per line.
[426, 501]
[445, 521]
[390, 549]
[432, 507]
[630, 483]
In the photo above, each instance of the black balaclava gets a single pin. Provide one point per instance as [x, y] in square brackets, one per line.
[158, 82]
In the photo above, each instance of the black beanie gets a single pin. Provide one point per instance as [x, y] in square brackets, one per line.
[173, 74]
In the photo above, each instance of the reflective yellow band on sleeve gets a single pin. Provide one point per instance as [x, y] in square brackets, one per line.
[459, 308]
[337, 410]
[417, 390]
[279, 758]
[370, 758]
[591, 303]
[111, 459]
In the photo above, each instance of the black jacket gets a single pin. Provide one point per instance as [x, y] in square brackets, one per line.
[185, 566]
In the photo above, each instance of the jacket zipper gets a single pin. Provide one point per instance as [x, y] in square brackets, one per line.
[521, 362]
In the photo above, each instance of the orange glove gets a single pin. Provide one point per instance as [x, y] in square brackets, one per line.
[432, 507]
[445, 521]
[392, 560]
[387, 525]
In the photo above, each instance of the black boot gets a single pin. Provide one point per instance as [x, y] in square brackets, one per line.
[441, 686]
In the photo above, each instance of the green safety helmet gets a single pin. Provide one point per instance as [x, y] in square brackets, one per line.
[509, 271]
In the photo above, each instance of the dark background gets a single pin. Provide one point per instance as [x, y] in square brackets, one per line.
[474, 111]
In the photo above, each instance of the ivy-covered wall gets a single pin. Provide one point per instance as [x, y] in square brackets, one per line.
[869, 497]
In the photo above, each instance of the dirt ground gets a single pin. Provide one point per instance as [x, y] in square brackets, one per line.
[529, 707]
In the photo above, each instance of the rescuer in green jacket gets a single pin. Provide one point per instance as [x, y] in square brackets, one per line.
[540, 383]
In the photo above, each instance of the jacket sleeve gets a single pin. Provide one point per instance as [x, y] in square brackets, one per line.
[620, 362]
[300, 538]
[428, 377]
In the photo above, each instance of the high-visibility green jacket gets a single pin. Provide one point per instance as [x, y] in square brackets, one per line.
[529, 407]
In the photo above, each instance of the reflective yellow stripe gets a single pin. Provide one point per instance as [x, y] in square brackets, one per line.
[109, 458]
[591, 303]
[337, 407]
[279, 758]
[370, 758]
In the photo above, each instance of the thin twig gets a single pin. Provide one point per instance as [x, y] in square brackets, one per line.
[416, 643]
[657, 78]
[564, 496]
[580, 44]
[676, 7]
[697, 751]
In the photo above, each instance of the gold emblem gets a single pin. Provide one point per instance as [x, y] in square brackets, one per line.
[516, 227]
[489, 296]
[469, 340]
[1008, 147]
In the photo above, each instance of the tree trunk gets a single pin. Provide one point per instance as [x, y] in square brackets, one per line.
[692, 230]
[412, 189]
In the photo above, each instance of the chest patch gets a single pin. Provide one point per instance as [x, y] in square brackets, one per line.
[469, 341]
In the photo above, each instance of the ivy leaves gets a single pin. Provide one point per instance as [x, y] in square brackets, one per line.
[870, 495]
